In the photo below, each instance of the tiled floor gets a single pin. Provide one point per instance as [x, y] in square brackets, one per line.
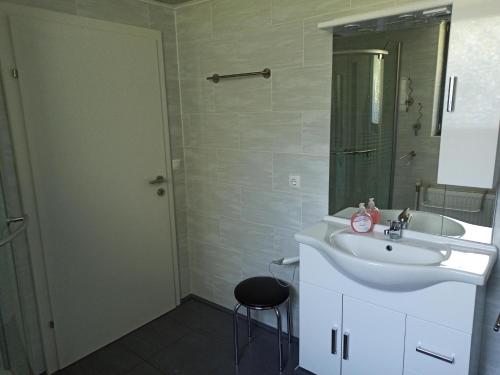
[193, 339]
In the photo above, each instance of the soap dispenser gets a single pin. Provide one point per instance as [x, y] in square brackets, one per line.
[361, 221]
[373, 211]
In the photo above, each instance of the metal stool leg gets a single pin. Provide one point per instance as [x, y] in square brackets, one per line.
[235, 334]
[249, 321]
[280, 346]
[289, 317]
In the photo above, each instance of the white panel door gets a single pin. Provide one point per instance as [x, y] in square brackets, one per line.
[320, 329]
[471, 129]
[373, 339]
[95, 116]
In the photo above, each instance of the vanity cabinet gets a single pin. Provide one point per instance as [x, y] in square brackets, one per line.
[344, 335]
[320, 329]
[471, 116]
[350, 329]
[372, 338]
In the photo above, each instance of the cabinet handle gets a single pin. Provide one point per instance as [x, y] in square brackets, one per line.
[345, 355]
[452, 84]
[432, 354]
[334, 341]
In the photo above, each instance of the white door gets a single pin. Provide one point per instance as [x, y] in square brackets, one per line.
[94, 117]
[373, 339]
[320, 329]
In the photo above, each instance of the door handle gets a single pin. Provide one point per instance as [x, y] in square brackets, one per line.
[158, 180]
[452, 87]
[345, 354]
[334, 341]
[12, 220]
[496, 327]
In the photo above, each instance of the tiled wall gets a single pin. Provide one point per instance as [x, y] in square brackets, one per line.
[243, 138]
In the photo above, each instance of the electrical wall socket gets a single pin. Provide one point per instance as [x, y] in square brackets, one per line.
[294, 181]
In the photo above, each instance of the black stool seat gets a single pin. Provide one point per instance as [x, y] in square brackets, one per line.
[261, 292]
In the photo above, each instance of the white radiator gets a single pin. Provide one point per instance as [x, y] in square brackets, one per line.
[469, 206]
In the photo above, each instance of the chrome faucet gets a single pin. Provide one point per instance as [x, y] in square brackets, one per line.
[395, 230]
[404, 217]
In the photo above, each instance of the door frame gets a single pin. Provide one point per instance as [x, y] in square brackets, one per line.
[22, 155]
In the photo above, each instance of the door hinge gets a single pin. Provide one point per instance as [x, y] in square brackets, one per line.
[51, 324]
[15, 73]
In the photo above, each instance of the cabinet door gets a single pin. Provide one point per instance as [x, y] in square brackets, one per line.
[320, 330]
[471, 123]
[372, 339]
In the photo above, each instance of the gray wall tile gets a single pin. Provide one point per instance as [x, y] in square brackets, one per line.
[211, 130]
[274, 208]
[216, 199]
[287, 10]
[271, 131]
[236, 16]
[316, 132]
[194, 22]
[250, 237]
[245, 168]
[202, 227]
[275, 47]
[201, 163]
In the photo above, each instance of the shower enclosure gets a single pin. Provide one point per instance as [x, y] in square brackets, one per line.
[16, 284]
[362, 125]
[13, 353]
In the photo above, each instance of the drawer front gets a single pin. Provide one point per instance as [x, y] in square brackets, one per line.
[433, 349]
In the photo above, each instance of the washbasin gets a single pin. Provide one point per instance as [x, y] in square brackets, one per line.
[421, 221]
[372, 248]
[416, 261]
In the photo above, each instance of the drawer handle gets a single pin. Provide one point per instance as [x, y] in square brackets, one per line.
[334, 341]
[432, 354]
[346, 346]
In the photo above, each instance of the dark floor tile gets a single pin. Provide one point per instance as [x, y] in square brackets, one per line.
[193, 354]
[193, 339]
[155, 336]
[144, 369]
[113, 359]
[71, 370]
[207, 319]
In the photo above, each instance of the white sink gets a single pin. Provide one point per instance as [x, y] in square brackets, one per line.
[373, 248]
[416, 261]
[421, 221]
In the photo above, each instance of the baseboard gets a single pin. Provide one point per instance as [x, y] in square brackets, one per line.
[229, 311]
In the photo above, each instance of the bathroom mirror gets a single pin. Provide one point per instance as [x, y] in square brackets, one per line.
[387, 102]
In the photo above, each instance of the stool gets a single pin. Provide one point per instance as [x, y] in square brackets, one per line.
[262, 293]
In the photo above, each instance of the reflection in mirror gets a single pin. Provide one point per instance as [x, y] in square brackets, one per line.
[387, 102]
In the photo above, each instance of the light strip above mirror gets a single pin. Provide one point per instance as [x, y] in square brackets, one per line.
[421, 9]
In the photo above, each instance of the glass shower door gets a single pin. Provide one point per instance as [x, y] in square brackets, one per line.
[13, 354]
[362, 128]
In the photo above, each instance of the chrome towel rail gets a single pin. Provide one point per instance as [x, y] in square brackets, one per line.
[354, 152]
[18, 231]
[266, 73]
